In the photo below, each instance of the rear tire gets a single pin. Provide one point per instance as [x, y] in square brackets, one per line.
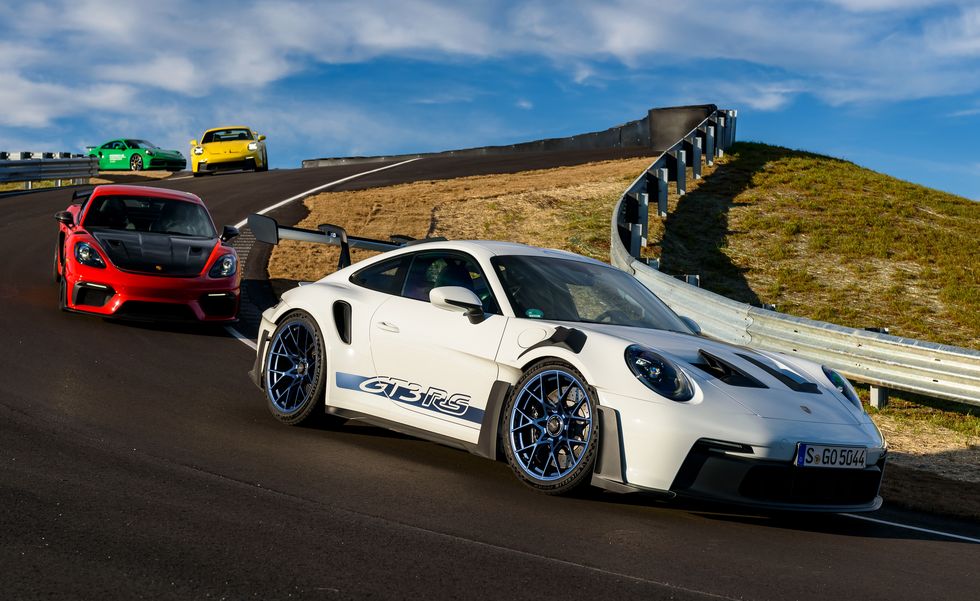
[550, 433]
[295, 370]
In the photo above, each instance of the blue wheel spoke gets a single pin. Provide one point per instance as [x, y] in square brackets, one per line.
[538, 452]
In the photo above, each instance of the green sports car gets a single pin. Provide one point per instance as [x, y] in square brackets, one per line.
[136, 155]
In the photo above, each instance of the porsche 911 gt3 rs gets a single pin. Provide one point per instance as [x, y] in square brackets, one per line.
[570, 369]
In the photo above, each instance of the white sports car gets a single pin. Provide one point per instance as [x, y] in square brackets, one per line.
[570, 369]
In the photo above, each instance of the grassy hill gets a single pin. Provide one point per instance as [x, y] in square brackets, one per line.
[826, 239]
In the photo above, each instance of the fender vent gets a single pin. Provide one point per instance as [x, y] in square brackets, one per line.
[341, 317]
[725, 371]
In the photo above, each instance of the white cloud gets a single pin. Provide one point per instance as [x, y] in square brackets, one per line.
[29, 103]
[843, 51]
[524, 104]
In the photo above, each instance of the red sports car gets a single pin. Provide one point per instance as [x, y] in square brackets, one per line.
[145, 253]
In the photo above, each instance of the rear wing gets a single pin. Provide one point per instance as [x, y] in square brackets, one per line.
[267, 230]
[80, 197]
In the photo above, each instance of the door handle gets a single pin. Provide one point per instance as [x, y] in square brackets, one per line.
[388, 327]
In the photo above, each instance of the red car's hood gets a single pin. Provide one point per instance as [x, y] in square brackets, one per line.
[158, 254]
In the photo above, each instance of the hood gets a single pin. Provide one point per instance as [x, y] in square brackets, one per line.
[228, 147]
[156, 254]
[776, 387]
[167, 153]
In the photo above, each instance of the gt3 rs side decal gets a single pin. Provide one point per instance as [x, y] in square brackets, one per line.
[404, 392]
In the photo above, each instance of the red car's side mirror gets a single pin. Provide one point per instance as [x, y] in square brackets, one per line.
[64, 218]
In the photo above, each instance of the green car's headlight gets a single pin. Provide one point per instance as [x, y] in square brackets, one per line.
[658, 373]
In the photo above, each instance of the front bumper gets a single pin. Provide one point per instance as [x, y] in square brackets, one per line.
[170, 164]
[712, 473]
[155, 298]
[227, 162]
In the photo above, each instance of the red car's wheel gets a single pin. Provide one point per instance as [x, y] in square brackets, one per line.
[63, 295]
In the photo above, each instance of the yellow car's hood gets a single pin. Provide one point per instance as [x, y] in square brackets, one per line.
[229, 147]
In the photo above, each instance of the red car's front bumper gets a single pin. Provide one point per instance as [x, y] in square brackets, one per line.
[114, 293]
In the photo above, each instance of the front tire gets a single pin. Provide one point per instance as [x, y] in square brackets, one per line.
[550, 434]
[136, 163]
[63, 294]
[295, 370]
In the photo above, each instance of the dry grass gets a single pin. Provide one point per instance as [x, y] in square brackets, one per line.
[567, 208]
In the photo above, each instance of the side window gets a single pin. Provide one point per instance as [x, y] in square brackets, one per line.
[435, 269]
[386, 276]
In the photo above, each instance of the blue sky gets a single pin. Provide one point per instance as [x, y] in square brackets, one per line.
[890, 84]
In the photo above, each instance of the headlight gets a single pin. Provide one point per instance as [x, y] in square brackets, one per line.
[253, 145]
[659, 374]
[843, 386]
[87, 255]
[149, 153]
[198, 150]
[224, 267]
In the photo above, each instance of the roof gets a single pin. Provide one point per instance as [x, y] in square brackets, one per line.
[490, 248]
[146, 191]
[228, 127]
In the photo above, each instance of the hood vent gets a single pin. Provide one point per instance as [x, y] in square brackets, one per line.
[726, 372]
[791, 379]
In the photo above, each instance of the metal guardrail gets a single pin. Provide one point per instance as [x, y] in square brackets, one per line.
[883, 361]
[29, 167]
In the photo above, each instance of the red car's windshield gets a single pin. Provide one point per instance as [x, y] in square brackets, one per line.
[149, 214]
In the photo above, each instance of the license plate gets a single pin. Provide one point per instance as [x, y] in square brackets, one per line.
[812, 455]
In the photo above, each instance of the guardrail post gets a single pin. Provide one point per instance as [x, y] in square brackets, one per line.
[662, 179]
[644, 215]
[693, 279]
[722, 133]
[681, 173]
[696, 157]
[734, 124]
[636, 240]
[709, 145]
[879, 397]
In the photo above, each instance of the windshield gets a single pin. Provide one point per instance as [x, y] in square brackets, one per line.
[149, 214]
[569, 290]
[226, 135]
[141, 144]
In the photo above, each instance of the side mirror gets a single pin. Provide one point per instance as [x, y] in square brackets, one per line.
[193, 142]
[261, 137]
[691, 324]
[64, 218]
[228, 233]
[460, 300]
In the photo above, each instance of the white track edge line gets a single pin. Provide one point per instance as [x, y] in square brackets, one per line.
[908, 527]
[235, 333]
[242, 338]
[318, 188]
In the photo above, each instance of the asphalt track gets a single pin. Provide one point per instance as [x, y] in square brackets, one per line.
[140, 462]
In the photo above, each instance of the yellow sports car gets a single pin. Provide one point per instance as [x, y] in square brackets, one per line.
[223, 148]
